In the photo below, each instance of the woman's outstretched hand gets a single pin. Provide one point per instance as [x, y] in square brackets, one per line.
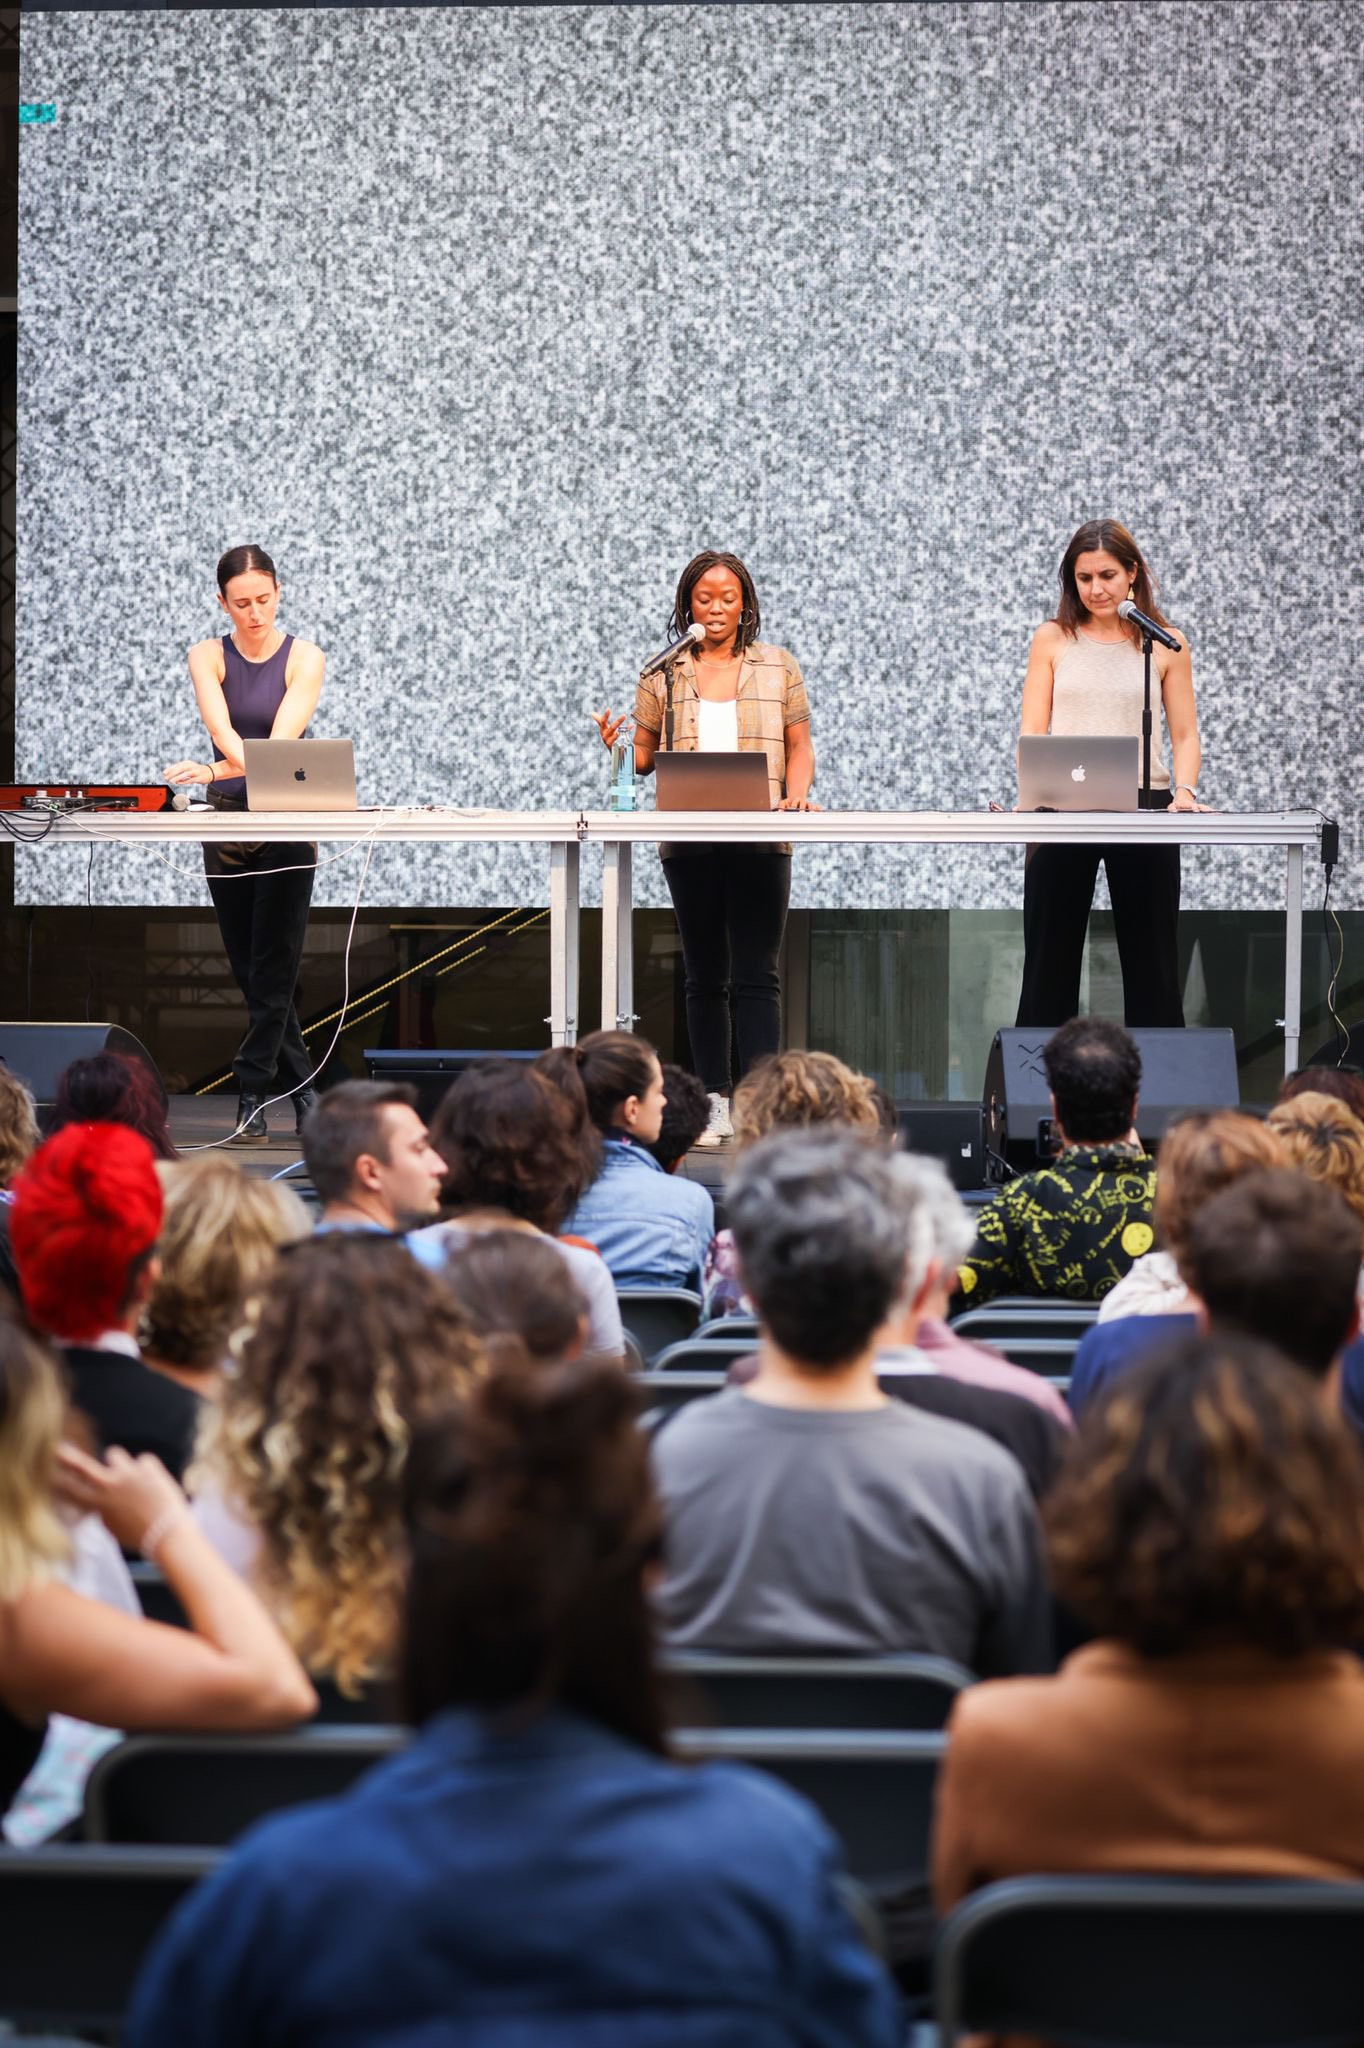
[608, 727]
[188, 771]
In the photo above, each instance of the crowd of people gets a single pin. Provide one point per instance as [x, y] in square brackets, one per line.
[391, 1453]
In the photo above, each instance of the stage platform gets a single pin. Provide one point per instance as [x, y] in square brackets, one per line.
[199, 1121]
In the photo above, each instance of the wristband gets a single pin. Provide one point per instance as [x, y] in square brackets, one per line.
[1189, 786]
[155, 1534]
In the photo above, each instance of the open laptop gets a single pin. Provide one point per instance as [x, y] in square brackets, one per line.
[712, 782]
[1060, 773]
[299, 775]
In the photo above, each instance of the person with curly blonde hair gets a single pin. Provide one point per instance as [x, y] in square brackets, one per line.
[18, 1139]
[1324, 1140]
[787, 1092]
[221, 1233]
[1209, 1528]
[299, 1470]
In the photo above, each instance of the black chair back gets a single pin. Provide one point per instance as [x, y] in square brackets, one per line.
[658, 1316]
[1051, 1357]
[1025, 1315]
[204, 1789]
[902, 1692]
[704, 1354]
[1152, 1962]
[729, 1326]
[77, 1922]
[663, 1393]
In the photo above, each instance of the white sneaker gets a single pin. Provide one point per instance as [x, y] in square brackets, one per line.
[719, 1127]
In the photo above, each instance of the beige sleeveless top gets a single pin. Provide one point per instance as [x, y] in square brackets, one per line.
[1097, 689]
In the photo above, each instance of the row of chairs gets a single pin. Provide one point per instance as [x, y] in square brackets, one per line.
[1130, 1962]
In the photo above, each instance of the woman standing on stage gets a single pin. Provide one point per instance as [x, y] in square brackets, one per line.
[257, 683]
[1085, 677]
[736, 693]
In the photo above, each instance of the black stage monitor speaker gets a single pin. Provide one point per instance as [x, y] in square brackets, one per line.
[951, 1131]
[1180, 1071]
[38, 1053]
[430, 1071]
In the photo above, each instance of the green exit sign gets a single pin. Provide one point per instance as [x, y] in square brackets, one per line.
[37, 113]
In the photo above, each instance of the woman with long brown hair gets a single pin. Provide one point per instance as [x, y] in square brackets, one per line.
[1085, 677]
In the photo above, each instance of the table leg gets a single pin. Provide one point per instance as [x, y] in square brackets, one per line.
[563, 942]
[617, 938]
[1292, 991]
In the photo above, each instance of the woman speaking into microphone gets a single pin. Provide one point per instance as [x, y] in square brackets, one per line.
[733, 693]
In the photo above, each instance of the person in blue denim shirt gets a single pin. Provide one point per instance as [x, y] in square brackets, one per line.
[536, 1866]
[652, 1228]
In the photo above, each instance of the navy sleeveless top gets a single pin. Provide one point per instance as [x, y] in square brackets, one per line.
[254, 691]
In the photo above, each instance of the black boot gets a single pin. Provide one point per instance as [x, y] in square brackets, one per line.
[250, 1122]
[304, 1100]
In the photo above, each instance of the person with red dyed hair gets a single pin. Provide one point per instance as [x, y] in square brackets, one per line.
[84, 1223]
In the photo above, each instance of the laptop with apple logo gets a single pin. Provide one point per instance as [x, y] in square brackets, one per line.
[1086, 773]
[299, 775]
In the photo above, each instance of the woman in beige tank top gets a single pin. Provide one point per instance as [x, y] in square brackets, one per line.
[1085, 676]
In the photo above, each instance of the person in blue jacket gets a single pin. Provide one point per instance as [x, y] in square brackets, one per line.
[652, 1228]
[535, 1867]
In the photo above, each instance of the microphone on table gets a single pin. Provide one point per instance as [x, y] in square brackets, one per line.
[693, 637]
[1127, 610]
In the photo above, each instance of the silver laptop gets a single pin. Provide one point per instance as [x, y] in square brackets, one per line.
[299, 775]
[712, 782]
[1057, 773]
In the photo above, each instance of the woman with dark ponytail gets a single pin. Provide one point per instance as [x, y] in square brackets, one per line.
[652, 1229]
[535, 1865]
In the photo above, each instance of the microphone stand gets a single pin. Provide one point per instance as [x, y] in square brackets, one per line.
[1144, 793]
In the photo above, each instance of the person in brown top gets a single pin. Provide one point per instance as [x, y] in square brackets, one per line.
[1210, 1527]
[736, 693]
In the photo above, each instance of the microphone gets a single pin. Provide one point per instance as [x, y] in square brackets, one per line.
[1127, 610]
[693, 637]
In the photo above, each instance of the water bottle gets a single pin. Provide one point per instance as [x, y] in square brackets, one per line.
[623, 787]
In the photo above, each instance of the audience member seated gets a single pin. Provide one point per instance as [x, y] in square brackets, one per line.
[535, 1867]
[84, 1222]
[370, 1158]
[298, 1480]
[110, 1088]
[790, 1091]
[63, 1653]
[686, 1113]
[515, 1160]
[221, 1233]
[652, 1229]
[1324, 1140]
[953, 1233]
[809, 1511]
[1209, 1526]
[1345, 1083]
[513, 1284]
[18, 1139]
[1072, 1229]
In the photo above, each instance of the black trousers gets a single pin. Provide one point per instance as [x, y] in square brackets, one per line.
[1058, 889]
[731, 904]
[264, 920]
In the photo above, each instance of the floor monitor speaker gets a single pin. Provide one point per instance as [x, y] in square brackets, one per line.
[39, 1053]
[951, 1131]
[430, 1070]
[1180, 1071]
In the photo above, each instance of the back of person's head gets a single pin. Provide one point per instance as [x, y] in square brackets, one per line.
[108, 1088]
[686, 1112]
[1212, 1499]
[532, 1527]
[1324, 1140]
[18, 1125]
[1094, 1071]
[830, 1235]
[33, 1543]
[509, 1141]
[220, 1234]
[353, 1344]
[602, 1070]
[343, 1126]
[1200, 1155]
[1345, 1083]
[791, 1090]
[85, 1220]
[512, 1284]
[1276, 1256]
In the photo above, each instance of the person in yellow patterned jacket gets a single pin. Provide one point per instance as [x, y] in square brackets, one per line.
[1072, 1229]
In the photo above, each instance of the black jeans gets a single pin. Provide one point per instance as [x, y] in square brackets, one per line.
[1058, 889]
[264, 920]
[731, 912]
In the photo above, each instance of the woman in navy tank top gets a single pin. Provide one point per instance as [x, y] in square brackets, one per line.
[257, 683]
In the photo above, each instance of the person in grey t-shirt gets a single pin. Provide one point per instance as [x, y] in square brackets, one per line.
[809, 1512]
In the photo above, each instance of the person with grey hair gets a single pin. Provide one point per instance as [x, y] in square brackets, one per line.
[809, 1510]
[954, 1232]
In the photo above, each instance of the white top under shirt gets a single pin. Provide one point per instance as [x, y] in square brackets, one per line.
[717, 727]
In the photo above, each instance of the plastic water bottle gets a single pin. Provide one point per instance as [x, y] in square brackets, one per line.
[623, 784]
